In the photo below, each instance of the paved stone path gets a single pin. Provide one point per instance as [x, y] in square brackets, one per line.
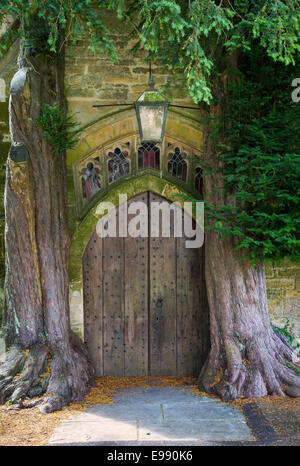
[165, 416]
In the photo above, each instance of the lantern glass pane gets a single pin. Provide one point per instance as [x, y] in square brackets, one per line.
[152, 121]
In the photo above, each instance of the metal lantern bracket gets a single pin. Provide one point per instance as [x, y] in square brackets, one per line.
[147, 112]
[133, 104]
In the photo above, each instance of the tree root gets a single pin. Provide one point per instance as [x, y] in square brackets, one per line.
[252, 369]
[21, 405]
[57, 377]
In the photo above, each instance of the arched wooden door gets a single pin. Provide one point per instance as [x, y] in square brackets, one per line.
[145, 308]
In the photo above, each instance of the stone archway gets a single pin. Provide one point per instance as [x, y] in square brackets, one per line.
[111, 129]
[82, 235]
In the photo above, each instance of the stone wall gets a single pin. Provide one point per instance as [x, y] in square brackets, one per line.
[283, 285]
[94, 79]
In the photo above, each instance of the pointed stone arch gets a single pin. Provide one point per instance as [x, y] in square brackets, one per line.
[113, 129]
[81, 237]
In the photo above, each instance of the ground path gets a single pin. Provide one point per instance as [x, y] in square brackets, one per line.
[168, 415]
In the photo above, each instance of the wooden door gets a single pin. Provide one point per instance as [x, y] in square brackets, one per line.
[145, 307]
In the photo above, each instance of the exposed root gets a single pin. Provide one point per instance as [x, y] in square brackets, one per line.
[21, 405]
[20, 373]
[263, 367]
[51, 404]
[56, 377]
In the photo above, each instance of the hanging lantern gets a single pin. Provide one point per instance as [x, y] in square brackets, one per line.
[151, 111]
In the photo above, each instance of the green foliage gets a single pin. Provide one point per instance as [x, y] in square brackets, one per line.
[277, 25]
[190, 36]
[57, 127]
[260, 160]
[294, 368]
[288, 334]
[42, 24]
[175, 37]
[187, 36]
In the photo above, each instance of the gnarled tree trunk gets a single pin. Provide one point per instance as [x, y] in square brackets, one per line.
[247, 356]
[44, 356]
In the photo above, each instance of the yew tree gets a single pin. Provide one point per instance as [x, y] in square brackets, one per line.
[250, 144]
[229, 54]
[44, 355]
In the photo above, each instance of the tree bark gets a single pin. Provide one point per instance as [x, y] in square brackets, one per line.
[44, 356]
[248, 358]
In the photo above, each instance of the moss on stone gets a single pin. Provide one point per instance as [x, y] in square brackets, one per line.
[131, 187]
[4, 112]
[151, 96]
